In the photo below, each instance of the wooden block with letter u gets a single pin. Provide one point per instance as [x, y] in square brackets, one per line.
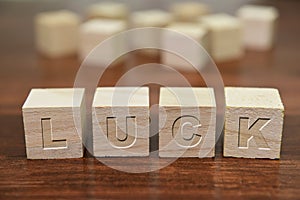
[53, 122]
[187, 119]
[121, 122]
[254, 122]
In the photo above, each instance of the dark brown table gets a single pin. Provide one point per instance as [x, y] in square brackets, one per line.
[21, 69]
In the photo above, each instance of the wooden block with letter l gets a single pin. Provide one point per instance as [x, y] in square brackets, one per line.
[259, 26]
[253, 123]
[225, 34]
[121, 122]
[54, 122]
[187, 120]
[56, 33]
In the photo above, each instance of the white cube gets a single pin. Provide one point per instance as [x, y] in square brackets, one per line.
[189, 11]
[225, 34]
[95, 31]
[259, 24]
[109, 10]
[56, 33]
[149, 18]
[173, 40]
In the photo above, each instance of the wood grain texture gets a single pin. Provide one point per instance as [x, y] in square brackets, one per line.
[187, 125]
[85, 178]
[121, 122]
[53, 123]
[253, 123]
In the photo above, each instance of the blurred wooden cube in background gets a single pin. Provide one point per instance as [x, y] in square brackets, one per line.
[189, 11]
[149, 18]
[56, 33]
[225, 35]
[174, 39]
[54, 122]
[253, 123]
[95, 31]
[259, 26]
[109, 10]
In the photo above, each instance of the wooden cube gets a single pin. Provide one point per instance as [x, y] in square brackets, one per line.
[121, 122]
[173, 40]
[56, 33]
[149, 18]
[187, 120]
[253, 124]
[95, 31]
[189, 11]
[259, 26]
[53, 121]
[225, 33]
[108, 10]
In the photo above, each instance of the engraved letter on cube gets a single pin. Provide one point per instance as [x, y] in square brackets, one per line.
[118, 137]
[48, 141]
[249, 132]
[185, 131]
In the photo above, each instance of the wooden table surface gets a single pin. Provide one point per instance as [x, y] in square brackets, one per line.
[21, 69]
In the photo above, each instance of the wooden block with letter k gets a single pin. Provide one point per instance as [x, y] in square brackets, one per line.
[254, 123]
